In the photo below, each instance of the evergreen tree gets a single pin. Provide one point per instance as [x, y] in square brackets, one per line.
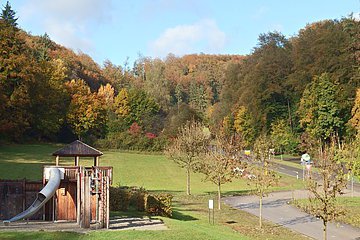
[8, 15]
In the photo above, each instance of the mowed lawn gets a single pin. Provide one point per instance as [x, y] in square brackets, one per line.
[350, 205]
[155, 173]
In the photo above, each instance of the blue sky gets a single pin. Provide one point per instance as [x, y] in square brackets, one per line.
[116, 29]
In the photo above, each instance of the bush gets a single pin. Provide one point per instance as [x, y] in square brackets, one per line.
[138, 198]
[159, 205]
[119, 198]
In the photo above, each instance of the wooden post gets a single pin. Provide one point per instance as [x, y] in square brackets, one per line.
[57, 160]
[24, 194]
[101, 203]
[96, 161]
[44, 209]
[78, 196]
[77, 160]
[87, 209]
[107, 201]
[82, 207]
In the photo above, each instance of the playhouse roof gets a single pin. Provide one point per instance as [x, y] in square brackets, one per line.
[77, 148]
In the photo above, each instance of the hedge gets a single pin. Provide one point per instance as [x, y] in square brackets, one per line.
[121, 198]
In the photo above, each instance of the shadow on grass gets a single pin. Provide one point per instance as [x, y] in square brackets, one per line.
[132, 213]
[172, 192]
[237, 193]
[182, 217]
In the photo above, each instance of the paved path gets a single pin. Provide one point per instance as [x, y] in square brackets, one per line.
[276, 209]
[296, 172]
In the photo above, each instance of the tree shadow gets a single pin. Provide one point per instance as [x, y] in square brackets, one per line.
[237, 193]
[182, 217]
[297, 220]
[266, 204]
[173, 192]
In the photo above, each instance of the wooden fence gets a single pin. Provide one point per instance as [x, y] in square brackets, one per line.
[16, 196]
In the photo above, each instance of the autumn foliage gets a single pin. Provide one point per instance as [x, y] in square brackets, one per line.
[49, 92]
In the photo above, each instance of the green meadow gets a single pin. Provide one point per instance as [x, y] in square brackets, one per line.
[158, 174]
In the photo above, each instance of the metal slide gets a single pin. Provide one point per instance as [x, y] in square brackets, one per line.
[43, 196]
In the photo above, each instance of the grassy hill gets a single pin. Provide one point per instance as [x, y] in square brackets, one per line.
[155, 173]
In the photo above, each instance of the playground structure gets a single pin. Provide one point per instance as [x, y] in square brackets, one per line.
[71, 193]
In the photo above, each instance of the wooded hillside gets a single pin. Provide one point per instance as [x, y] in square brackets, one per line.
[48, 92]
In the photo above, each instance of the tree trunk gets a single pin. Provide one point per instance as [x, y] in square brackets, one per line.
[260, 212]
[324, 230]
[219, 196]
[188, 181]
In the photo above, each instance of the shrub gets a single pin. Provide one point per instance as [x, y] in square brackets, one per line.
[159, 205]
[119, 198]
[138, 198]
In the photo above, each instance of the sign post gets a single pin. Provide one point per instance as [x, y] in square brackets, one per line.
[211, 207]
[305, 160]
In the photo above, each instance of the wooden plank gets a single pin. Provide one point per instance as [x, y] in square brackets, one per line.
[87, 203]
[107, 202]
[71, 194]
[78, 197]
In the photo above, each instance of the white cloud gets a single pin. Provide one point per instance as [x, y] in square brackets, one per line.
[203, 36]
[68, 21]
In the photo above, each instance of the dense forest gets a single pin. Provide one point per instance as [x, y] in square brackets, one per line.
[294, 89]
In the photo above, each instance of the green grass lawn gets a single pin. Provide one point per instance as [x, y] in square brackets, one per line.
[155, 173]
[351, 205]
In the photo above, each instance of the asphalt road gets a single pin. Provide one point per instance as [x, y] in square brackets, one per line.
[277, 210]
[295, 172]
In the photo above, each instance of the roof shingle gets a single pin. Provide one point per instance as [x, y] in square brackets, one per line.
[77, 148]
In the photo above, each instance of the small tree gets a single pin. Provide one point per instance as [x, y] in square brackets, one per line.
[262, 177]
[190, 142]
[8, 15]
[329, 183]
[349, 154]
[219, 162]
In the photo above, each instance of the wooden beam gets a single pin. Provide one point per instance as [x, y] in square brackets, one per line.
[96, 161]
[87, 207]
[107, 202]
[78, 196]
[82, 205]
[57, 160]
[77, 160]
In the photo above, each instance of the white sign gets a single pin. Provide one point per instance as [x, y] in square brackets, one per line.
[305, 157]
[211, 204]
